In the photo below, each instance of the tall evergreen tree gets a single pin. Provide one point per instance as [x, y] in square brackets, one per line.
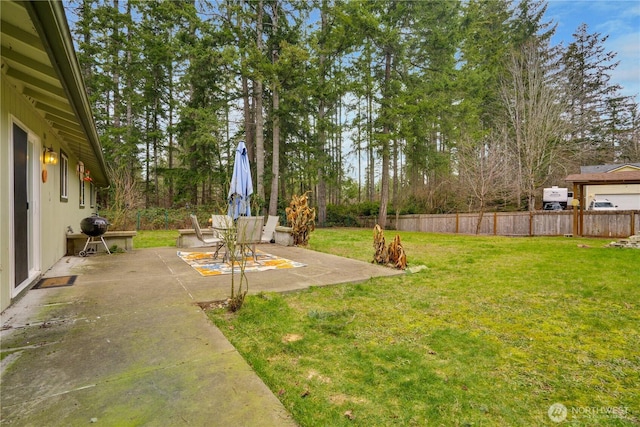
[329, 43]
[588, 68]
[419, 85]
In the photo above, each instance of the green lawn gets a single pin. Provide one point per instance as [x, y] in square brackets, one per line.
[155, 238]
[493, 332]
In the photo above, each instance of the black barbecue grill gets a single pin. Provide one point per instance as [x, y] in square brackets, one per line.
[94, 227]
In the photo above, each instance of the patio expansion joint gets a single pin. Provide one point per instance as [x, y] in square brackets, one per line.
[175, 276]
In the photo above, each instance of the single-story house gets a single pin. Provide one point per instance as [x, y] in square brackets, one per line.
[51, 162]
[619, 184]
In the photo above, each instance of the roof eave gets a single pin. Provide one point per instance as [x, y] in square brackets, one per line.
[632, 177]
[51, 23]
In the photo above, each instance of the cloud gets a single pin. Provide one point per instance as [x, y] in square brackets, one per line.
[627, 74]
[613, 26]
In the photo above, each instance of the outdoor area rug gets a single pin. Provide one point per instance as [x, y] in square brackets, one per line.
[55, 282]
[207, 265]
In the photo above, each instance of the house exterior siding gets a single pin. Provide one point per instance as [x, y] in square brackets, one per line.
[48, 216]
[51, 215]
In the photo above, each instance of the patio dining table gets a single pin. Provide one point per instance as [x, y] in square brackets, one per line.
[245, 233]
[227, 233]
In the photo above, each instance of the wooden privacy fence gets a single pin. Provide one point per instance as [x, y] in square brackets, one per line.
[538, 223]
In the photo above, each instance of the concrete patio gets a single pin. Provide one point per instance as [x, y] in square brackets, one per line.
[127, 344]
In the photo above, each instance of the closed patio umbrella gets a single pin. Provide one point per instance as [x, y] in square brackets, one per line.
[241, 184]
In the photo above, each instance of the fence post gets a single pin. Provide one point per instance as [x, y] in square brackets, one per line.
[633, 223]
[457, 223]
[495, 223]
[137, 220]
[530, 223]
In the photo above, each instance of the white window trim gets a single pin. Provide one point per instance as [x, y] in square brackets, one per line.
[82, 193]
[92, 195]
[64, 176]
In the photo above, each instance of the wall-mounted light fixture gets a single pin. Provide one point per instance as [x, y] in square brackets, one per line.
[49, 157]
[80, 168]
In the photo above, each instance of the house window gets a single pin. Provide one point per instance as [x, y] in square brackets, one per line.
[92, 195]
[82, 197]
[64, 177]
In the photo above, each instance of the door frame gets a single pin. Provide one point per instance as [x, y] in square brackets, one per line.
[34, 150]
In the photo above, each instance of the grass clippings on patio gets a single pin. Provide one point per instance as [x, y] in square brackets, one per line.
[493, 332]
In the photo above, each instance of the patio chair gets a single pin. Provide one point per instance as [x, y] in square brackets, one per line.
[224, 229]
[249, 233]
[207, 241]
[269, 230]
[221, 224]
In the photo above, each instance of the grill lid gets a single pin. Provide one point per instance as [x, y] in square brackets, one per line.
[94, 226]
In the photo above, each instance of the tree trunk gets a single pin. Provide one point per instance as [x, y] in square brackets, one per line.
[371, 181]
[147, 160]
[275, 165]
[359, 153]
[170, 183]
[395, 194]
[258, 114]
[248, 119]
[384, 185]
[322, 133]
